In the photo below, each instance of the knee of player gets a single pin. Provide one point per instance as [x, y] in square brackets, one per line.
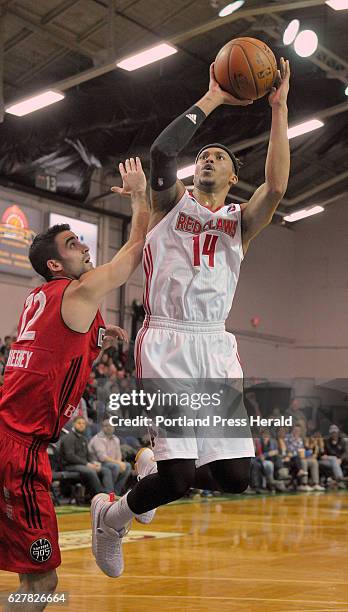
[236, 486]
[52, 582]
[40, 583]
[180, 486]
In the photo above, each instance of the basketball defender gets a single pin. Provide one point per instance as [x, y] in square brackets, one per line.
[192, 256]
[61, 331]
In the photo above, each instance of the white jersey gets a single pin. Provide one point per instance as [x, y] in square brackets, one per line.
[191, 262]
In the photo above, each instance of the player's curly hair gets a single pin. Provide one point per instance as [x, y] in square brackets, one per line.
[44, 247]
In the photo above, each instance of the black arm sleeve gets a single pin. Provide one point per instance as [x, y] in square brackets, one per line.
[169, 143]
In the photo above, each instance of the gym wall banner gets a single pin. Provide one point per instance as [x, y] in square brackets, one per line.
[18, 226]
[86, 232]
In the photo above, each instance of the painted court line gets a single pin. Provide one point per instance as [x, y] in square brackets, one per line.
[217, 598]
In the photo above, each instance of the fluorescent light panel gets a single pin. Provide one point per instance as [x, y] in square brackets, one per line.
[338, 5]
[231, 8]
[303, 128]
[148, 56]
[302, 214]
[34, 103]
[186, 171]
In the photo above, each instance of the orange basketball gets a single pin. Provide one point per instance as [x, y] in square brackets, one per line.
[246, 68]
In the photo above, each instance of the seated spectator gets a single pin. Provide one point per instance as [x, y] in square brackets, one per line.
[76, 458]
[129, 447]
[6, 347]
[329, 465]
[267, 455]
[296, 448]
[336, 452]
[291, 464]
[105, 446]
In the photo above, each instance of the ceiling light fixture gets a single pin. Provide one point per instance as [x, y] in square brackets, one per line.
[306, 43]
[186, 171]
[291, 32]
[148, 56]
[303, 128]
[231, 8]
[34, 103]
[338, 5]
[303, 213]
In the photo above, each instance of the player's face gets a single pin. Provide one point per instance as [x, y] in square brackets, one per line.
[75, 256]
[214, 170]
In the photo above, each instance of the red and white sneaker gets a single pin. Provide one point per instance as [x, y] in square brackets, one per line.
[145, 464]
[106, 542]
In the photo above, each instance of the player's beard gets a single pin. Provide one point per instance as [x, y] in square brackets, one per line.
[207, 185]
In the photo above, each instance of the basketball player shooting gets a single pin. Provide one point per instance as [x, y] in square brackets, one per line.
[61, 332]
[192, 257]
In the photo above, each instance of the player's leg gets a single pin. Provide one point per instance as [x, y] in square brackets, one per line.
[43, 583]
[28, 524]
[110, 519]
[231, 475]
[228, 476]
[225, 461]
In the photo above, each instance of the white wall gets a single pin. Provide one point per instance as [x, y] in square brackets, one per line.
[265, 291]
[321, 289]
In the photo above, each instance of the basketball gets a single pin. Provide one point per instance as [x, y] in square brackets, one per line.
[246, 68]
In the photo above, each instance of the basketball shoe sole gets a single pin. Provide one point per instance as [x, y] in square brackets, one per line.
[145, 464]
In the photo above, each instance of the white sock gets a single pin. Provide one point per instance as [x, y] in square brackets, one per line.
[119, 514]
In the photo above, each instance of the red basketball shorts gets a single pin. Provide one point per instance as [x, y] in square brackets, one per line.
[28, 524]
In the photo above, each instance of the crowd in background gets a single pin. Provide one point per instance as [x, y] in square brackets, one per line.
[95, 458]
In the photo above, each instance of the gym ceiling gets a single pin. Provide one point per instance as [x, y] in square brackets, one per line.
[108, 113]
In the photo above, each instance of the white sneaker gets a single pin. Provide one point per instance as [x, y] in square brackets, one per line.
[106, 542]
[306, 488]
[145, 464]
[318, 487]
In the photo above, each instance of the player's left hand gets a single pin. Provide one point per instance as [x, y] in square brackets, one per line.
[133, 177]
[279, 93]
[113, 335]
[222, 96]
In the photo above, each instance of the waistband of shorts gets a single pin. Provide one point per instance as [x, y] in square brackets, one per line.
[198, 327]
[29, 441]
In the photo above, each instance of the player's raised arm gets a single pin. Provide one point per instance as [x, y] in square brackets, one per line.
[83, 296]
[258, 212]
[166, 189]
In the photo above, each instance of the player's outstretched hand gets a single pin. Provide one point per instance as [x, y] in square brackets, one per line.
[223, 96]
[133, 177]
[113, 335]
[279, 93]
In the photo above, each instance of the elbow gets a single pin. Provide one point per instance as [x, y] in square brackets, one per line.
[156, 150]
[276, 191]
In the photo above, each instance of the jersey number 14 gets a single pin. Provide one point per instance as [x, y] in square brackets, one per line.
[209, 247]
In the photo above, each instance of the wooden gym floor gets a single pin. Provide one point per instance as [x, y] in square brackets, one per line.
[264, 553]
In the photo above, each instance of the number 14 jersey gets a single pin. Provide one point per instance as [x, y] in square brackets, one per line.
[192, 261]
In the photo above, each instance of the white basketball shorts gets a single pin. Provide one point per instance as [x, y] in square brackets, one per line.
[171, 349]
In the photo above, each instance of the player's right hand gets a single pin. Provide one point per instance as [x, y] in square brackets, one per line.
[133, 177]
[223, 96]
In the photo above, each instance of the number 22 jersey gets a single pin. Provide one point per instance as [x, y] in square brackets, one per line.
[191, 262]
[48, 366]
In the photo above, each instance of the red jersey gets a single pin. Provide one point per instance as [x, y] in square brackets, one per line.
[48, 365]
